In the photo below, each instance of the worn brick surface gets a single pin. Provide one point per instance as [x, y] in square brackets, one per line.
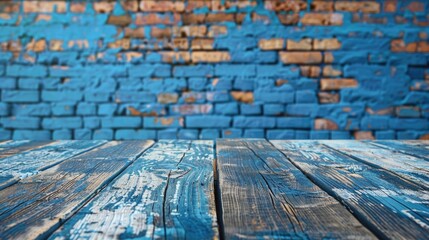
[205, 69]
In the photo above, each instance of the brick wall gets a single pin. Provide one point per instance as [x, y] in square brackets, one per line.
[206, 69]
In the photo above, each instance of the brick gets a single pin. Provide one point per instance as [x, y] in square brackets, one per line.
[62, 123]
[327, 97]
[130, 5]
[281, 134]
[163, 6]
[408, 123]
[407, 111]
[294, 6]
[364, 6]
[423, 47]
[193, 71]
[208, 121]
[305, 96]
[160, 32]
[325, 124]
[189, 134]
[288, 19]
[294, 122]
[61, 96]
[274, 97]
[254, 133]
[209, 134]
[322, 6]
[230, 108]
[250, 109]
[119, 20]
[103, 134]
[340, 135]
[150, 70]
[31, 135]
[21, 122]
[245, 97]
[190, 31]
[217, 31]
[121, 122]
[36, 45]
[138, 32]
[271, 44]
[176, 57]
[155, 19]
[82, 134]
[62, 134]
[63, 109]
[202, 44]
[20, 96]
[131, 134]
[375, 123]
[398, 45]
[274, 109]
[163, 122]
[219, 17]
[302, 109]
[300, 57]
[390, 6]
[254, 122]
[319, 135]
[58, 6]
[310, 71]
[166, 98]
[337, 83]
[363, 135]
[210, 57]
[26, 71]
[326, 44]
[84, 108]
[322, 19]
[331, 71]
[302, 44]
[241, 70]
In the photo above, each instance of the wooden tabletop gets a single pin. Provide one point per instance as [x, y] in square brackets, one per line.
[238, 189]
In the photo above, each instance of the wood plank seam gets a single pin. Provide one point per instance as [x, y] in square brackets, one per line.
[397, 150]
[218, 196]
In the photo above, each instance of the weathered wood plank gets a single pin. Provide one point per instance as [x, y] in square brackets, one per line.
[13, 147]
[266, 196]
[37, 205]
[393, 208]
[28, 163]
[406, 166]
[166, 193]
[419, 149]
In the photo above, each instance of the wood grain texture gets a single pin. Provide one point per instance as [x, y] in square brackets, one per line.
[416, 149]
[404, 165]
[265, 197]
[166, 193]
[13, 147]
[37, 205]
[393, 208]
[28, 163]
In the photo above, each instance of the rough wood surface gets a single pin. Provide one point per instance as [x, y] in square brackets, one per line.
[37, 205]
[166, 193]
[393, 208]
[406, 166]
[10, 148]
[28, 163]
[416, 149]
[265, 196]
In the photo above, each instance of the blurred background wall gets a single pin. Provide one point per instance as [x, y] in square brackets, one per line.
[204, 69]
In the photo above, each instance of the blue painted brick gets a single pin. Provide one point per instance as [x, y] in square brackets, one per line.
[388, 134]
[103, 134]
[191, 134]
[150, 70]
[7, 83]
[407, 135]
[62, 134]
[266, 57]
[347, 57]
[319, 134]
[62, 123]
[162, 122]
[274, 109]
[375, 123]
[21, 122]
[378, 44]
[31, 135]
[39, 109]
[226, 108]
[244, 84]
[340, 135]
[97, 96]
[281, 134]
[63, 109]
[302, 109]
[193, 71]
[221, 84]
[408, 123]
[61, 96]
[250, 109]
[302, 134]
[222, 96]
[232, 133]
[207, 121]
[209, 134]
[306, 96]
[58, 58]
[29, 83]
[26, 71]
[5, 134]
[294, 122]
[4, 109]
[82, 134]
[254, 122]
[107, 109]
[84, 108]
[240, 70]
[135, 96]
[92, 122]
[121, 122]
[131, 134]
[417, 98]
[254, 133]
[20, 96]
[167, 134]
[197, 83]
[274, 97]
[277, 71]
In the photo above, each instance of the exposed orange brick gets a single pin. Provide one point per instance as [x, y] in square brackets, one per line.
[216, 31]
[337, 83]
[364, 6]
[45, 6]
[162, 6]
[166, 98]
[130, 5]
[78, 7]
[326, 44]
[212, 57]
[130, 56]
[40, 17]
[363, 135]
[159, 32]
[327, 97]
[303, 44]
[310, 71]
[329, 71]
[278, 5]
[390, 5]
[37, 46]
[180, 43]
[191, 5]
[423, 47]
[398, 45]
[239, 17]
[9, 6]
[155, 18]
[122, 20]
[329, 57]
[322, 6]
[424, 137]
[103, 6]
[192, 18]
[190, 31]
[176, 57]
[288, 19]
[123, 43]
[325, 124]
[202, 44]
[134, 33]
[56, 45]
[261, 18]
[416, 7]
[322, 19]
[271, 44]
[384, 111]
[219, 17]
[300, 57]
[245, 97]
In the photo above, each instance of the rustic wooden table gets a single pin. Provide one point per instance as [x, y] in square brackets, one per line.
[242, 188]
